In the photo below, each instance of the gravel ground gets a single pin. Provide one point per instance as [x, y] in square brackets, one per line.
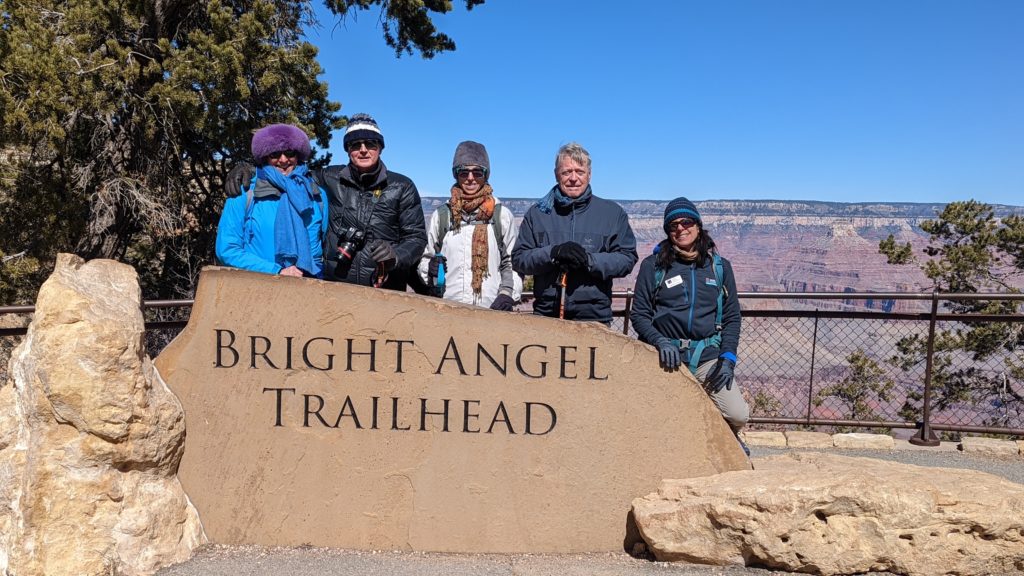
[217, 560]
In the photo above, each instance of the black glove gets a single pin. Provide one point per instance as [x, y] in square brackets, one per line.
[721, 376]
[503, 302]
[384, 254]
[668, 354]
[238, 179]
[435, 263]
[570, 255]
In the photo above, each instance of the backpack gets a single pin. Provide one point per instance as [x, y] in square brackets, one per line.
[696, 347]
[444, 224]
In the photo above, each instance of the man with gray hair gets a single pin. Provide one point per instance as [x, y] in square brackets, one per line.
[574, 244]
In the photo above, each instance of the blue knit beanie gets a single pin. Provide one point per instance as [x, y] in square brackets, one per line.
[279, 138]
[362, 127]
[681, 208]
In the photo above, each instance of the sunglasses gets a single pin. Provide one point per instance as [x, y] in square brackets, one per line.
[681, 224]
[371, 145]
[290, 154]
[463, 173]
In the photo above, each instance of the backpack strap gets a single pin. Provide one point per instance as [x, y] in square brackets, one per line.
[721, 291]
[498, 233]
[250, 196]
[444, 224]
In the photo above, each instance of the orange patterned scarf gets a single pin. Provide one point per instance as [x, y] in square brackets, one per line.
[482, 203]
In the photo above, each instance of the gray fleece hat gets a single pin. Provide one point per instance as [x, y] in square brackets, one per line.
[471, 153]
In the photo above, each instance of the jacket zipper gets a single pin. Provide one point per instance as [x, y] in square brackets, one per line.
[693, 297]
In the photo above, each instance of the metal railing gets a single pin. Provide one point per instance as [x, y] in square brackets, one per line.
[796, 362]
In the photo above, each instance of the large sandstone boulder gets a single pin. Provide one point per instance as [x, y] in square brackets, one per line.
[826, 514]
[341, 416]
[90, 437]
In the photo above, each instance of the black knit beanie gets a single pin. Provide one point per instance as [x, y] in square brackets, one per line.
[362, 127]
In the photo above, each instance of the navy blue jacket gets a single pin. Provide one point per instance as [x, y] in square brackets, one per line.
[602, 228]
[686, 305]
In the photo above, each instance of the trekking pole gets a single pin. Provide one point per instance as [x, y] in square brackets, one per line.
[561, 299]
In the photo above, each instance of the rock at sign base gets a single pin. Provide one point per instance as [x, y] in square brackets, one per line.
[828, 514]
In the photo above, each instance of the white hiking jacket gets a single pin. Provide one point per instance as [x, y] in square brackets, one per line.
[457, 248]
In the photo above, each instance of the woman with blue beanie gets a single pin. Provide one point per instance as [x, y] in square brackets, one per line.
[276, 224]
[686, 306]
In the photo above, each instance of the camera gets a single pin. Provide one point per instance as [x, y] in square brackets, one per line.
[350, 241]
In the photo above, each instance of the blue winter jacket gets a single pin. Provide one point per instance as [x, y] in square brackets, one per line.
[602, 228]
[245, 237]
[686, 305]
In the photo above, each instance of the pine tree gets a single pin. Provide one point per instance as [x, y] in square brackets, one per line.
[979, 364]
[121, 119]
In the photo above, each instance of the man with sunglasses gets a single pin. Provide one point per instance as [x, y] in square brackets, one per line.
[471, 237]
[686, 306]
[574, 244]
[377, 210]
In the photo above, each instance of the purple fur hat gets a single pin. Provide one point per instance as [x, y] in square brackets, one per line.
[278, 138]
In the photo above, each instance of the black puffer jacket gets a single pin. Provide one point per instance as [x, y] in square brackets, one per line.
[384, 206]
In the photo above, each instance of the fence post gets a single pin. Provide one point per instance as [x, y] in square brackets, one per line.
[925, 437]
[625, 312]
[810, 383]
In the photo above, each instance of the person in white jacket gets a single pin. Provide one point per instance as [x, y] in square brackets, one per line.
[471, 238]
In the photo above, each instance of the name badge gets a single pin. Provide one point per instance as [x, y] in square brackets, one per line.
[710, 282]
[674, 281]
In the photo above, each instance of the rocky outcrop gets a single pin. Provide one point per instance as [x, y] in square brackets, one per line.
[90, 437]
[828, 514]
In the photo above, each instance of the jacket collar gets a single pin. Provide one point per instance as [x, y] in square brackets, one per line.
[366, 180]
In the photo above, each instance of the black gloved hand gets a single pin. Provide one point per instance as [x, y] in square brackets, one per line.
[571, 255]
[383, 253]
[238, 179]
[432, 269]
[503, 302]
[721, 376]
[668, 354]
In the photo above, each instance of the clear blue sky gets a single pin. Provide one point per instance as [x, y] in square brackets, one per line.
[838, 100]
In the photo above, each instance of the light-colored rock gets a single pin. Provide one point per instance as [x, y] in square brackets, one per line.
[989, 446]
[90, 437]
[863, 441]
[802, 439]
[764, 438]
[827, 514]
[343, 416]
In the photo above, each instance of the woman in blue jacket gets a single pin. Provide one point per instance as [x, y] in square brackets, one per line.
[686, 306]
[275, 225]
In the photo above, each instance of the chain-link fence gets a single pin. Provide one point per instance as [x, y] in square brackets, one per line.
[840, 369]
[831, 370]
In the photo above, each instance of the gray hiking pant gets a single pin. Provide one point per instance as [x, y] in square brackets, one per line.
[730, 402]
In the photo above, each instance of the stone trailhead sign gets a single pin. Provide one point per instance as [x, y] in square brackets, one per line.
[334, 415]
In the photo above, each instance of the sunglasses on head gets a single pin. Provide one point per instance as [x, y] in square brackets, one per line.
[290, 154]
[463, 173]
[371, 145]
[682, 224]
